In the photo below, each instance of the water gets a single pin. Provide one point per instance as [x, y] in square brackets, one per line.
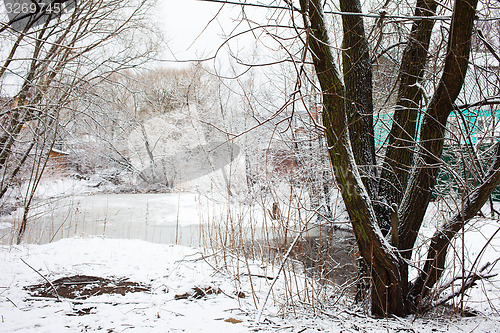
[168, 218]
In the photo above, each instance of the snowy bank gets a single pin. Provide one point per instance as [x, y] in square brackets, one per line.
[171, 271]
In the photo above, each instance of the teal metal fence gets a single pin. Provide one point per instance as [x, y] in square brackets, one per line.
[467, 154]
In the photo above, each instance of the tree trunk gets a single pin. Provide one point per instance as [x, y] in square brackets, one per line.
[387, 294]
[348, 109]
[357, 72]
[418, 194]
[399, 155]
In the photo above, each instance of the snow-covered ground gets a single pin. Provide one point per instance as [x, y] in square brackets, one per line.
[172, 270]
[132, 236]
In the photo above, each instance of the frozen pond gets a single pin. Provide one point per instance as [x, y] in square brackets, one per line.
[183, 218]
[168, 218]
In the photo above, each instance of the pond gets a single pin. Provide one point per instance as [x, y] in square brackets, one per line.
[168, 218]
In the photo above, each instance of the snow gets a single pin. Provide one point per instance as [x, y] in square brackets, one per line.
[180, 155]
[5, 225]
[171, 270]
[174, 270]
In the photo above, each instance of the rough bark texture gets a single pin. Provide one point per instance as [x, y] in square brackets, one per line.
[357, 72]
[387, 297]
[399, 155]
[418, 193]
[348, 110]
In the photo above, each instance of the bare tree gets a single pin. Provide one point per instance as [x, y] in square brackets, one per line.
[149, 119]
[49, 62]
[392, 191]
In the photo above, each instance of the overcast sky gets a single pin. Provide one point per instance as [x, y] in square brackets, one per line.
[194, 30]
[190, 29]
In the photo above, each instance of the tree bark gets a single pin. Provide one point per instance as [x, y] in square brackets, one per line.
[357, 73]
[436, 256]
[387, 296]
[399, 155]
[428, 161]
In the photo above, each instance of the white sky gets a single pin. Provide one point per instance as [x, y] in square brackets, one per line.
[184, 24]
[192, 33]
[182, 21]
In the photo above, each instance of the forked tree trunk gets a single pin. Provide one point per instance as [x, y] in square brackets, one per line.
[346, 109]
[383, 262]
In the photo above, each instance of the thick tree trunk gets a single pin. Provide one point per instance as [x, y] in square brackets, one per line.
[357, 71]
[387, 294]
[418, 194]
[346, 109]
[399, 155]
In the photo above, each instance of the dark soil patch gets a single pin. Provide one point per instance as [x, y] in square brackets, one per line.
[198, 293]
[83, 287]
[81, 311]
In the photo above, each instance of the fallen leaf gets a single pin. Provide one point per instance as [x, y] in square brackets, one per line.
[233, 321]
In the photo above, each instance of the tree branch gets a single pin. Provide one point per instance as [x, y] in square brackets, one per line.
[436, 255]
[421, 183]
[399, 156]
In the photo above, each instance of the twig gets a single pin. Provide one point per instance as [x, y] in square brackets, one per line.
[50, 283]
[81, 301]
[261, 310]
[11, 301]
[259, 276]
[469, 282]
